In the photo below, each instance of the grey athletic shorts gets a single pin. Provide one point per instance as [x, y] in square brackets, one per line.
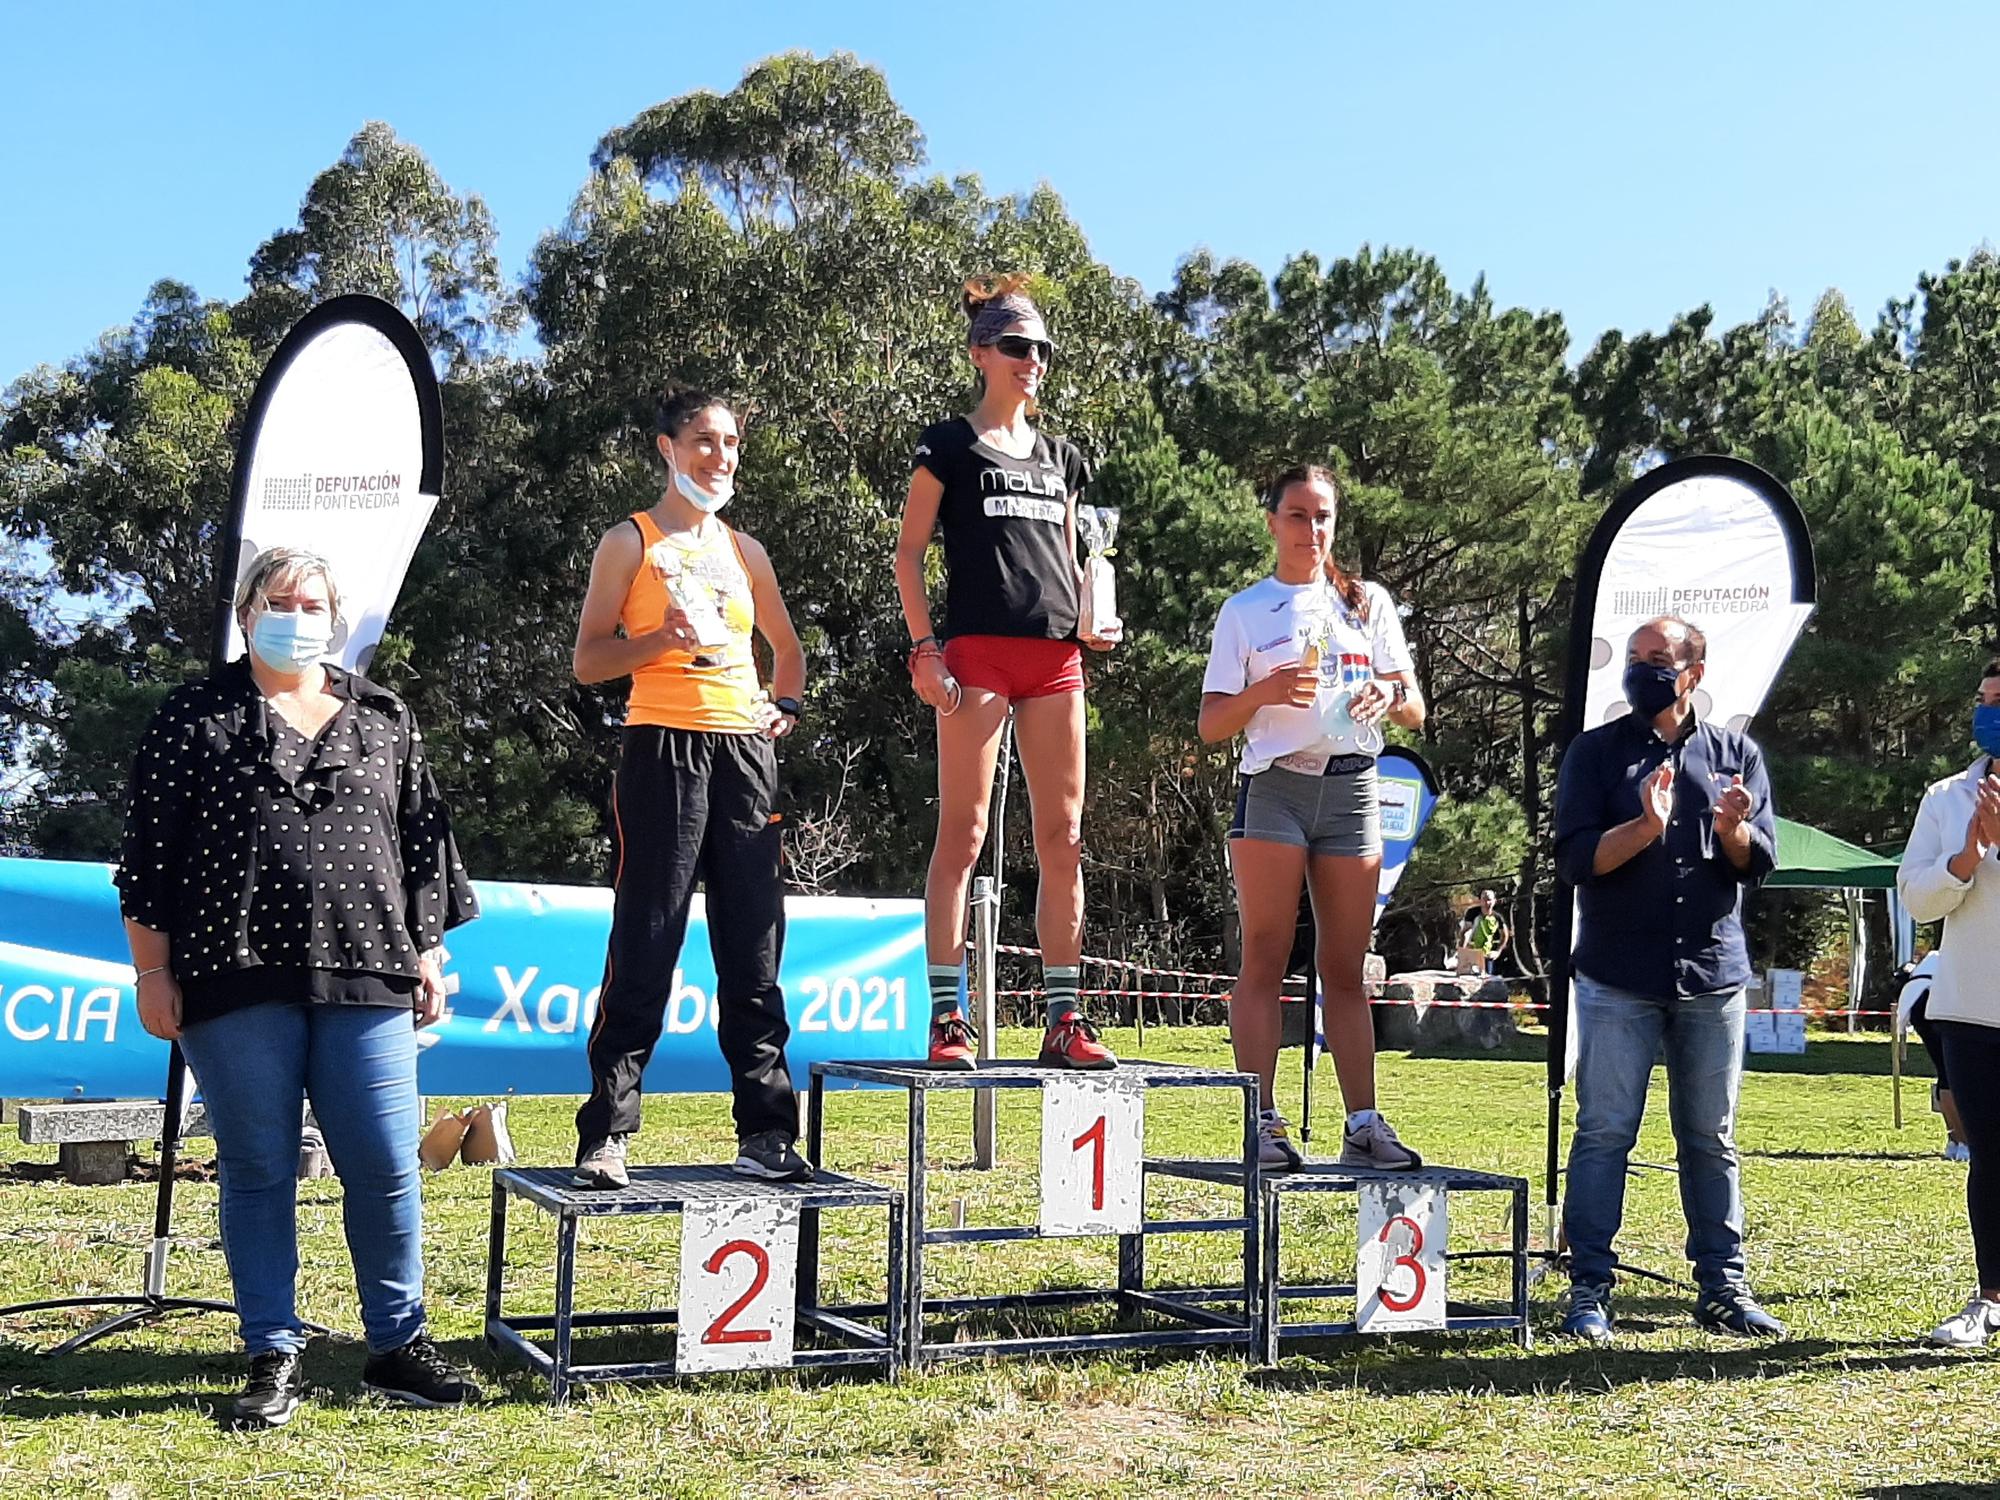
[1332, 813]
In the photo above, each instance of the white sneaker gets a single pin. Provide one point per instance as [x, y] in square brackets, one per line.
[1275, 1151]
[1373, 1143]
[1970, 1329]
[1957, 1151]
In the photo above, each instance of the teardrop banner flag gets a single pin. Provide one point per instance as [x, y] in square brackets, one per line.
[1722, 544]
[342, 454]
[1718, 542]
[1406, 794]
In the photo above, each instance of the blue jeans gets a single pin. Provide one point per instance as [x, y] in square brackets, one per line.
[1618, 1035]
[358, 1065]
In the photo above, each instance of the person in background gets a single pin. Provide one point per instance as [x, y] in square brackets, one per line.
[675, 595]
[1484, 931]
[1951, 873]
[1306, 665]
[287, 878]
[1003, 495]
[1913, 1003]
[1662, 822]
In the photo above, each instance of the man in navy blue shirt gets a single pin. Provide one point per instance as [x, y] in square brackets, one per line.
[1661, 822]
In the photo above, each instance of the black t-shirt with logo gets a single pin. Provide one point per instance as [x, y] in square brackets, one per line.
[1008, 565]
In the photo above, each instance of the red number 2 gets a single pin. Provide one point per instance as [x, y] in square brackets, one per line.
[1094, 1137]
[1389, 1299]
[719, 1332]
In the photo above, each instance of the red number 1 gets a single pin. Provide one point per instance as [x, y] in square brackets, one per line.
[719, 1332]
[1094, 1137]
[1389, 1299]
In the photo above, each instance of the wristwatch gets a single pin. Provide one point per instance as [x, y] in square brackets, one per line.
[789, 707]
[1399, 692]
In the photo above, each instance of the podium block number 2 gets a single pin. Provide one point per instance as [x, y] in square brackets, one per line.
[1399, 1273]
[739, 1286]
[1093, 1145]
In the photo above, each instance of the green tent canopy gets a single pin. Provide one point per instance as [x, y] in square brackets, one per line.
[1810, 859]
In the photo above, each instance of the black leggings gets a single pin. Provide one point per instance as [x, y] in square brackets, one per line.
[1972, 1053]
[1926, 1030]
[690, 805]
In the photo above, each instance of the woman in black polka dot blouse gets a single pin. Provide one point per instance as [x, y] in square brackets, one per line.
[287, 878]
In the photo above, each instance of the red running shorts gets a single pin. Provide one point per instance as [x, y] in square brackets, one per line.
[1015, 667]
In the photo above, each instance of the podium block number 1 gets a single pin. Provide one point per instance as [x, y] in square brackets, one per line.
[739, 1286]
[1399, 1273]
[1093, 1148]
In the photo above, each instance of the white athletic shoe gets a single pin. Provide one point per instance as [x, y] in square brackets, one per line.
[1957, 1151]
[1275, 1151]
[1373, 1143]
[1970, 1329]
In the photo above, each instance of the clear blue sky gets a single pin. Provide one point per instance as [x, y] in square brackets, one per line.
[1617, 162]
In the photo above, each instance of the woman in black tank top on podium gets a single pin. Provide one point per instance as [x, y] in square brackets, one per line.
[1004, 495]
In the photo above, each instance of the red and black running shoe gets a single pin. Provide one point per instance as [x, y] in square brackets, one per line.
[952, 1042]
[1072, 1043]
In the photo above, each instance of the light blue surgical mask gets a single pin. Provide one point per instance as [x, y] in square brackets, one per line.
[290, 640]
[700, 498]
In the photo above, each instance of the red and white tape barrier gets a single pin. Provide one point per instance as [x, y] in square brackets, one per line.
[1298, 981]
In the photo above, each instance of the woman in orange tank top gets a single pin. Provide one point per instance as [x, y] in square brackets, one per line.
[674, 596]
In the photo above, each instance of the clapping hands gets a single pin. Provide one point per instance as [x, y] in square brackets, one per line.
[1656, 798]
[1985, 829]
[1733, 807]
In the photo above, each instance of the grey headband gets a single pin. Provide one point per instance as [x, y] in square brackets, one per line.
[996, 313]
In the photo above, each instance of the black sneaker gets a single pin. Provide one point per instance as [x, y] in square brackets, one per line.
[601, 1164]
[417, 1375]
[276, 1386]
[1588, 1314]
[1733, 1310]
[769, 1154]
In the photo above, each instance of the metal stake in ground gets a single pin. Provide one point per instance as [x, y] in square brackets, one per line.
[986, 896]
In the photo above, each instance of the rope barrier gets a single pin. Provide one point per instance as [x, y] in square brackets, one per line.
[1015, 951]
[1226, 995]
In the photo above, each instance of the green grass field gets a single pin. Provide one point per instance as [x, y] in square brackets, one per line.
[1856, 1238]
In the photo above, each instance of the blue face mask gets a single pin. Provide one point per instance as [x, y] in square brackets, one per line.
[290, 640]
[700, 498]
[1986, 727]
[1649, 689]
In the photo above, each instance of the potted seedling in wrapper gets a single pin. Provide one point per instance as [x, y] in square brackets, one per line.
[1097, 528]
[691, 595]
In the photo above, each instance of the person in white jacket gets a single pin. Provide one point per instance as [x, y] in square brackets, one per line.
[1951, 872]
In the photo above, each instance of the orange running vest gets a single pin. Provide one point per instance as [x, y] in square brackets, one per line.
[705, 687]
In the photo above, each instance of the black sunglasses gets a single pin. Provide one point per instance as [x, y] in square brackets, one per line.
[1014, 346]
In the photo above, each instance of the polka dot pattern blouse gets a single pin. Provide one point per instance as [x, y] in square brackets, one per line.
[256, 848]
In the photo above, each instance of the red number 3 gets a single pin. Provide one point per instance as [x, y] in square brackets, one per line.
[1408, 1258]
[719, 1332]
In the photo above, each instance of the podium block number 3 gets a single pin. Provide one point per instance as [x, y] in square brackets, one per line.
[1093, 1146]
[1399, 1274]
[739, 1286]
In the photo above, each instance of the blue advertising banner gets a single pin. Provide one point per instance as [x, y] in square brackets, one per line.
[523, 979]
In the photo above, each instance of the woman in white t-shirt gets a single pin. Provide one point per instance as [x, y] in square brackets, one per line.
[1307, 664]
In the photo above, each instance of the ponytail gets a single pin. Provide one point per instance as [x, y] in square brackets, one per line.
[980, 290]
[1347, 585]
